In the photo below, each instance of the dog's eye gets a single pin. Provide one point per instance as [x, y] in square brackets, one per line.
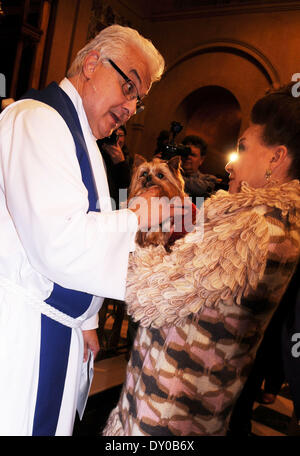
[160, 176]
[144, 174]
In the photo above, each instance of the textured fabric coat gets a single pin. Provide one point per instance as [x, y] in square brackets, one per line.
[202, 311]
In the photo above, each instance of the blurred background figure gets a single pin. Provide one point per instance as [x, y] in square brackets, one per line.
[197, 184]
[118, 169]
[161, 141]
[268, 373]
[117, 161]
[4, 102]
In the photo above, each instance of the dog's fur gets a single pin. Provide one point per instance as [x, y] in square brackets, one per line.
[166, 175]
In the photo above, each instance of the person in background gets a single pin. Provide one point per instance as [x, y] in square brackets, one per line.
[161, 141]
[122, 133]
[4, 102]
[291, 351]
[197, 184]
[268, 367]
[118, 170]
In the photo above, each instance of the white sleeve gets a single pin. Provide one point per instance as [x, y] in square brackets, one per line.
[90, 323]
[48, 203]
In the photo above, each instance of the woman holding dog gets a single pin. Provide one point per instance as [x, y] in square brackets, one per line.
[203, 308]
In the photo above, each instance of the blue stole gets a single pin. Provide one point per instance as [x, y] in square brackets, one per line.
[55, 338]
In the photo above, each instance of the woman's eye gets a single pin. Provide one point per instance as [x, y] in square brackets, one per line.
[241, 147]
[160, 175]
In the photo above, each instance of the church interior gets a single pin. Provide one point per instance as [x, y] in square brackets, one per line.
[221, 56]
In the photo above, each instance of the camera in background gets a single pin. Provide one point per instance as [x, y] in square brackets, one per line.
[166, 145]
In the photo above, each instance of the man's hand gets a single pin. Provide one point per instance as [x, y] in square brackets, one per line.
[152, 210]
[115, 153]
[91, 342]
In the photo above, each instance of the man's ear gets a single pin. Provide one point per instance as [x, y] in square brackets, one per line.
[90, 62]
[202, 160]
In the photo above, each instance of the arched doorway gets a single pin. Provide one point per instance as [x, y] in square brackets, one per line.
[213, 113]
[233, 66]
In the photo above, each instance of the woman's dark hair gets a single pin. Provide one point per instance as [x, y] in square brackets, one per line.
[197, 142]
[278, 113]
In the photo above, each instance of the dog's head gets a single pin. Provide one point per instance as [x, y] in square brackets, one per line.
[164, 174]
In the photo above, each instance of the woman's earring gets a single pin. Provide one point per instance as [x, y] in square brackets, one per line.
[268, 174]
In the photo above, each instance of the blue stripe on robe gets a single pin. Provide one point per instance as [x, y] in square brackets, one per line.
[56, 338]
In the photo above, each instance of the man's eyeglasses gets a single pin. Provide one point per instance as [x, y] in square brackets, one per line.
[129, 88]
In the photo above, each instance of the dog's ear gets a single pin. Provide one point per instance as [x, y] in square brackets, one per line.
[138, 160]
[175, 162]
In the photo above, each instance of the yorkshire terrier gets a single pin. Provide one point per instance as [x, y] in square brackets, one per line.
[166, 175]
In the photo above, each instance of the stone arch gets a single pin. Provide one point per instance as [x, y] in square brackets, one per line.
[213, 113]
[233, 65]
[238, 48]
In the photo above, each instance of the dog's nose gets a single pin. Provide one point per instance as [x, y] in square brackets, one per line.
[148, 182]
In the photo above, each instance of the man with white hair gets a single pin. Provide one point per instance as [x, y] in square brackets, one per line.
[61, 247]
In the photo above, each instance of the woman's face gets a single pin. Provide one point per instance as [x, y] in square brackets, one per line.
[254, 158]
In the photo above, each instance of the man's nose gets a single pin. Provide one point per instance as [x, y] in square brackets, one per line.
[130, 107]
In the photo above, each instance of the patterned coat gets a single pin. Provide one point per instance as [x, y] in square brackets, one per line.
[203, 310]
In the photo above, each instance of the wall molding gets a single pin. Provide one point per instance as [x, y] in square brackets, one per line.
[240, 48]
[222, 9]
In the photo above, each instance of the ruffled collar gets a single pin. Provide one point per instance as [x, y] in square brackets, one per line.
[285, 197]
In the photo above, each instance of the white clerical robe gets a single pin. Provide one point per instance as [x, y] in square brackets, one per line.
[48, 237]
